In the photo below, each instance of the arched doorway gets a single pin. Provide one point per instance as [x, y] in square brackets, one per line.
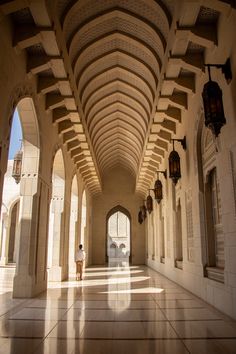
[56, 218]
[18, 216]
[118, 245]
[11, 192]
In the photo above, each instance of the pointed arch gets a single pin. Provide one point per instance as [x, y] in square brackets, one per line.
[118, 232]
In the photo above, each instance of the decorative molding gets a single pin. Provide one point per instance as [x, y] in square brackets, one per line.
[233, 173]
[189, 225]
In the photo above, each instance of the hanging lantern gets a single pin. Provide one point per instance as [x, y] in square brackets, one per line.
[158, 191]
[158, 187]
[149, 203]
[140, 217]
[144, 211]
[174, 165]
[213, 107]
[212, 98]
[17, 164]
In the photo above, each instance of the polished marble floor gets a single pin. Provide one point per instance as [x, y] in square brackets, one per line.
[114, 310]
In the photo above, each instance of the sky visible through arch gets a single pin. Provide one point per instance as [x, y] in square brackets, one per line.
[16, 136]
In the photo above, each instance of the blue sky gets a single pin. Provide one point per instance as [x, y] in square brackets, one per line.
[16, 136]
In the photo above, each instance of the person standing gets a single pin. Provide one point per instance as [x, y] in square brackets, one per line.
[79, 259]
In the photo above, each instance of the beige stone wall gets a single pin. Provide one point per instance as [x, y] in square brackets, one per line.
[118, 189]
[190, 189]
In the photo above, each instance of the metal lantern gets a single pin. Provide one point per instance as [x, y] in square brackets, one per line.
[17, 164]
[149, 203]
[213, 107]
[158, 191]
[174, 166]
[212, 98]
[144, 211]
[140, 217]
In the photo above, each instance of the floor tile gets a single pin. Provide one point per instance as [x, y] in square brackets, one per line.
[18, 345]
[63, 304]
[159, 330]
[48, 314]
[25, 328]
[113, 311]
[190, 314]
[128, 330]
[95, 330]
[140, 315]
[57, 346]
[204, 329]
[169, 304]
[92, 346]
[67, 329]
[149, 347]
[211, 346]
[89, 315]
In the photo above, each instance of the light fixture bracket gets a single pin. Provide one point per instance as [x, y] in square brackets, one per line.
[163, 172]
[225, 68]
[181, 141]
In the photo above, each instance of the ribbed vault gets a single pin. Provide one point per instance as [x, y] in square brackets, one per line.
[116, 50]
[117, 75]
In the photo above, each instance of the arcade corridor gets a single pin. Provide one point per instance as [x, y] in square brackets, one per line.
[113, 310]
[127, 113]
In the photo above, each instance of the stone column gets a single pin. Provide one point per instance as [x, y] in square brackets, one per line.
[154, 230]
[17, 234]
[150, 236]
[72, 238]
[26, 280]
[55, 272]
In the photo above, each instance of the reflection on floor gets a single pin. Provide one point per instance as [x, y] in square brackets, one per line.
[112, 311]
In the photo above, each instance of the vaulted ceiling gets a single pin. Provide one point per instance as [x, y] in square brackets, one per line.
[116, 74]
[116, 50]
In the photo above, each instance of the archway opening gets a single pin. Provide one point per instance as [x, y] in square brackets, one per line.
[118, 235]
[18, 187]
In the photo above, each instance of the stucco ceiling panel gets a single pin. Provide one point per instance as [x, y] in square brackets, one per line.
[82, 11]
[115, 124]
[118, 115]
[117, 59]
[123, 154]
[112, 152]
[112, 75]
[119, 163]
[112, 88]
[121, 158]
[118, 110]
[111, 43]
[121, 133]
[118, 97]
[119, 152]
[122, 23]
[119, 141]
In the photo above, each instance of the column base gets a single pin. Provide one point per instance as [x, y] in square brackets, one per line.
[3, 261]
[25, 286]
